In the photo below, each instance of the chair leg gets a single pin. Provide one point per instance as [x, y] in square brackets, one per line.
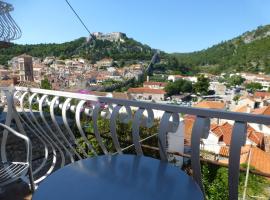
[31, 180]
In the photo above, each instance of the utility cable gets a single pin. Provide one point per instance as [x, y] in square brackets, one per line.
[78, 17]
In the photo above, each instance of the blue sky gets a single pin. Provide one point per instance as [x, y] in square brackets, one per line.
[169, 25]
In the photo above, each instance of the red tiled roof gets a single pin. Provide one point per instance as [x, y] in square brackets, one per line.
[225, 131]
[225, 150]
[6, 83]
[146, 90]
[188, 124]
[262, 94]
[210, 105]
[254, 136]
[260, 160]
[242, 109]
[262, 111]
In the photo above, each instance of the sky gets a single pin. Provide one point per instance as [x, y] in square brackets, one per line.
[168, 25]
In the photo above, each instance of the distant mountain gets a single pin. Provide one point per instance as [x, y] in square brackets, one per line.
[124, 48]
[247, 52]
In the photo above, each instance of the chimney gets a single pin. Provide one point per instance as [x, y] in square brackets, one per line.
[147, 79]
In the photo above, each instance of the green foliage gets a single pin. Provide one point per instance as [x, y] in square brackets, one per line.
[109, 82]
[179, 86]
[215, 181]
[128, 50]
[124, 134]
[45, 84]
[252, 87]
[233, 55]
[66, 49]
[235, 80]
[170, 62]
[236, 98]
[202, 85]
[158, 78]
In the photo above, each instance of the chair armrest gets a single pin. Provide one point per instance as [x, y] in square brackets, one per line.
[25, 138]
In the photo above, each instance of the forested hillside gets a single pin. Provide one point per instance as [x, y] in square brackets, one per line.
[248, 52]
[130, 49]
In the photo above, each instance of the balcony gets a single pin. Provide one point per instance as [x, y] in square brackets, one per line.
[64, 127]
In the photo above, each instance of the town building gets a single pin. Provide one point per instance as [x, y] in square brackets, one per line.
[174, 78]
[113, 37]
[219, 88]
[22, 67]
[143, 93]
[211, 105]
[105, 62]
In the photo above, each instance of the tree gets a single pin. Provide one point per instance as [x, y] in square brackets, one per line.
[215, 181]
[235, 80]
[252, 87]
[236, 98]
[202, 85]
[45, 84]
[179, 86]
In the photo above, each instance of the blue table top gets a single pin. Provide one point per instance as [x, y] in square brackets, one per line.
[118, 177]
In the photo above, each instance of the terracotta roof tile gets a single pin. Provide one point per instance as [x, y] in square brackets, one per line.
[210, 105]
[262, 111]
[255, 136]
[242, 109]
[261, 94]
[260, 160]
[188, 123]
[6, 83]
[225, 131]
[225, 150]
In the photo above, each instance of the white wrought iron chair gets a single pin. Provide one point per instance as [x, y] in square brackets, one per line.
[12, 171]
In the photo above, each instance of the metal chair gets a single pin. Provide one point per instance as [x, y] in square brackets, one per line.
[12, 171]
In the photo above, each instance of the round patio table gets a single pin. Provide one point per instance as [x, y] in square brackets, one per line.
[118, 177]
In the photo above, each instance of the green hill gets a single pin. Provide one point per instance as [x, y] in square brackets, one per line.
[127, 50]
[248, 52]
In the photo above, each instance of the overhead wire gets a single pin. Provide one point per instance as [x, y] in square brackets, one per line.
[77, 15]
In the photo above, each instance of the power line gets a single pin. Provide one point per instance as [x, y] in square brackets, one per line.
[78, 17]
